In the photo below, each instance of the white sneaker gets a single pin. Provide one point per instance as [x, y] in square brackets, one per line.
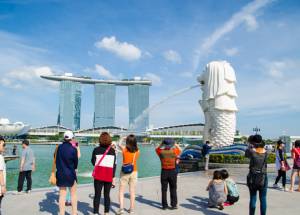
[276, 186]
[120, 212]
[19, 193]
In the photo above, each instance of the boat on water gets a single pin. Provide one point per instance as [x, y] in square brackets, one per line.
[9, 129]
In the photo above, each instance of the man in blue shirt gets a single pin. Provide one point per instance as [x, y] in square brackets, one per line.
[205, 153]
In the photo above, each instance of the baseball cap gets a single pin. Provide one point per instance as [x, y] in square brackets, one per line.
[68, 135]
[168, 142]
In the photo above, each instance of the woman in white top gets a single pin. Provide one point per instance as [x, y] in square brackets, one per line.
[2, 170]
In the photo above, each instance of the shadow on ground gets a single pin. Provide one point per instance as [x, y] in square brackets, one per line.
[200, 204]
[142, 200]
[50, 205]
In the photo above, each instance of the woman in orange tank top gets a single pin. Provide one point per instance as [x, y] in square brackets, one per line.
[130, 154]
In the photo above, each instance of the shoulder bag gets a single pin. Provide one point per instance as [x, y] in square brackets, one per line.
[129, 167]
[103, 173]
[256, 179]
[52, 179]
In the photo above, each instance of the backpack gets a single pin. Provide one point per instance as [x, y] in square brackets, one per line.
[232, 188]
[256, 179]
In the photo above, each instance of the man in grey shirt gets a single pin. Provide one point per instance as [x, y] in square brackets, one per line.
[26, 167]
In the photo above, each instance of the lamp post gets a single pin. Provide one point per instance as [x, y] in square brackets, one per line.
[256, 130]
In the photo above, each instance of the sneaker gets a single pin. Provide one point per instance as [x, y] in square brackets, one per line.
[28, 191]
[275, 186]
[121, 211]
[19, 193]
[173, 208]
[131, 211]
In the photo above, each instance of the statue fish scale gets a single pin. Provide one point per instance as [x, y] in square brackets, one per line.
[218, 103]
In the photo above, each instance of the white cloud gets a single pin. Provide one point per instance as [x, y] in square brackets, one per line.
[275, 91]
[280, 68]
[245, 15]
[172, 56]
[251, 23]
[147, 54]
[156, 80]
[124, 50]
[28, 75]
[104, 72]
[231, 51]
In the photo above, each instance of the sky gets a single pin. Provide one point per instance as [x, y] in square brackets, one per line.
[169, 42]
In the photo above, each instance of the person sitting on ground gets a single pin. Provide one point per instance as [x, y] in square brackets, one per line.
[217, 191]
[296, 167]
[168, 153]
[233, 193]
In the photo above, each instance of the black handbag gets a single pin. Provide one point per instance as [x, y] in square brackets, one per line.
[256, 178]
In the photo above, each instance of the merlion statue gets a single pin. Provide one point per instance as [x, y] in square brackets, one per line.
[218, 103]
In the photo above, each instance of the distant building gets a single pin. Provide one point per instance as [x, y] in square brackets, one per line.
[47, 130]
[179, 130]
[105, 96]
[69, 104]
[138, 100]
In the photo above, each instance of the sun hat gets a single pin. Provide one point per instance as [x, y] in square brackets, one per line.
[68, 135]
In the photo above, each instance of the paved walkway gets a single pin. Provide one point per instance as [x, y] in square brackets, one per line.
[191, 195]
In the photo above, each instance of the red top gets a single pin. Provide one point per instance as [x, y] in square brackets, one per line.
[296, 152]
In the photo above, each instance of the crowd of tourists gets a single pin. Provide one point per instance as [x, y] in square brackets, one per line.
[222, 189]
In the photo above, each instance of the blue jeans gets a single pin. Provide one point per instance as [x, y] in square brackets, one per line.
[262, 198]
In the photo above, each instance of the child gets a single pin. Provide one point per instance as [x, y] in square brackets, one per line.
[217, 191]
[233, 193]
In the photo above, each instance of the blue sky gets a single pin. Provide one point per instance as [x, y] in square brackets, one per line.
[169, 42]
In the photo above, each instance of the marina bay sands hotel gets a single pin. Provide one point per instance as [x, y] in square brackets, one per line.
[104, 102]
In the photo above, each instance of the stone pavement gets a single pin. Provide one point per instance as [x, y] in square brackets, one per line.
[192, 199]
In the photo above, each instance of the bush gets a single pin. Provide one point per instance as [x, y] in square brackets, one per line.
[236, 159]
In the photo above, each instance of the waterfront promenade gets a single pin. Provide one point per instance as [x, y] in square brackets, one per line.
[192, 199]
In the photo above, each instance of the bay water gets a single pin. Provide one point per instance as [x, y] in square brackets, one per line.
[148, 165]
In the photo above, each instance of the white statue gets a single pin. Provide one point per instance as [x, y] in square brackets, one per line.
[218, 103]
